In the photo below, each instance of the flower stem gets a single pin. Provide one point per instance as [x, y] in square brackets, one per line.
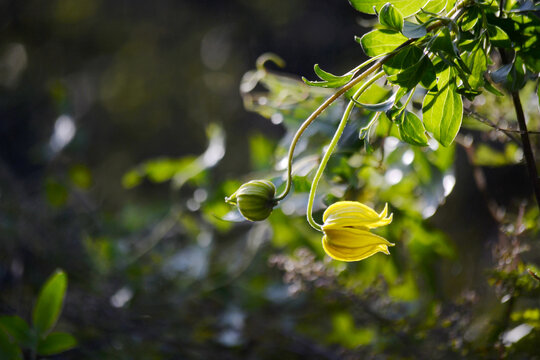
[331, 148]
[314, 115]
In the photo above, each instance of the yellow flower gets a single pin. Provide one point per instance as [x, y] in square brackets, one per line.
[346, 231]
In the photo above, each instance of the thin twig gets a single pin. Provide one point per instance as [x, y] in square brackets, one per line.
[508, 132]
[533, 274]
[527, 148]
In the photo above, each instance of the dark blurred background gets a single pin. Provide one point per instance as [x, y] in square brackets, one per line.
[89, 89]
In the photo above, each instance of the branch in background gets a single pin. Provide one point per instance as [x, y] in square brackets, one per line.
[534, 275]
[527, 148]
[508, 132]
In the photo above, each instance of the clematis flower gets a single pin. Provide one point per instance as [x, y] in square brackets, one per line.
[346, 231]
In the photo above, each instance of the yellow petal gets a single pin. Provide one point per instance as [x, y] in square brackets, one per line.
[353, 244]
[354, 214]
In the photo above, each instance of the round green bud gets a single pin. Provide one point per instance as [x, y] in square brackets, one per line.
[255, 199]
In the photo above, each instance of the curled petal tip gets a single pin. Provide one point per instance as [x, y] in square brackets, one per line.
[385, 211]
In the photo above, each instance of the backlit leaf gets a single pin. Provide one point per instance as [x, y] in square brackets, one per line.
[470, 18]
[442, 113]
[406, 7]
[411, 76]
[435, 6]
[49, 302]
[55, 343]
[390, 17]
[329, 80]
[378, 42]
[477, 63]
[498, 37]
[411, 129]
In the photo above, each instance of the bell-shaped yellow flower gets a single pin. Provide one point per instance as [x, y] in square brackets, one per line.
[346, 231]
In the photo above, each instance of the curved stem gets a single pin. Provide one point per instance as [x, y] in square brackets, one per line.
[331, 148]
[315, 114]
[327, 103]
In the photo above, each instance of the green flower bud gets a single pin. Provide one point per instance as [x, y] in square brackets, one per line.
[255, 199]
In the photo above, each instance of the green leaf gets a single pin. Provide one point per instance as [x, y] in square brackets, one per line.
[435, 6]
[18, 329]
[498, 37]
[443, 42]
[444, 74]
[477, 62]
[408, 67]
[470, 18]
[412, 75]
[411, 129]
[406, 7]
[8, 350]
[56, 343]
[390, 17]
[49, 303]
[429, 80]
[378, 42]
[442, 113]
[412, 30]
[329, 80]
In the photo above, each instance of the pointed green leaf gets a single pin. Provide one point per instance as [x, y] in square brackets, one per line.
[49, 303]
[405, 58]
[412, 130]
[378, 42]
[390, 17]
[329, 80]
[470, 18]
[412, 75]
[56, 343]
[442, 113]
[498, 37]
[406, 7]
[476, 61]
